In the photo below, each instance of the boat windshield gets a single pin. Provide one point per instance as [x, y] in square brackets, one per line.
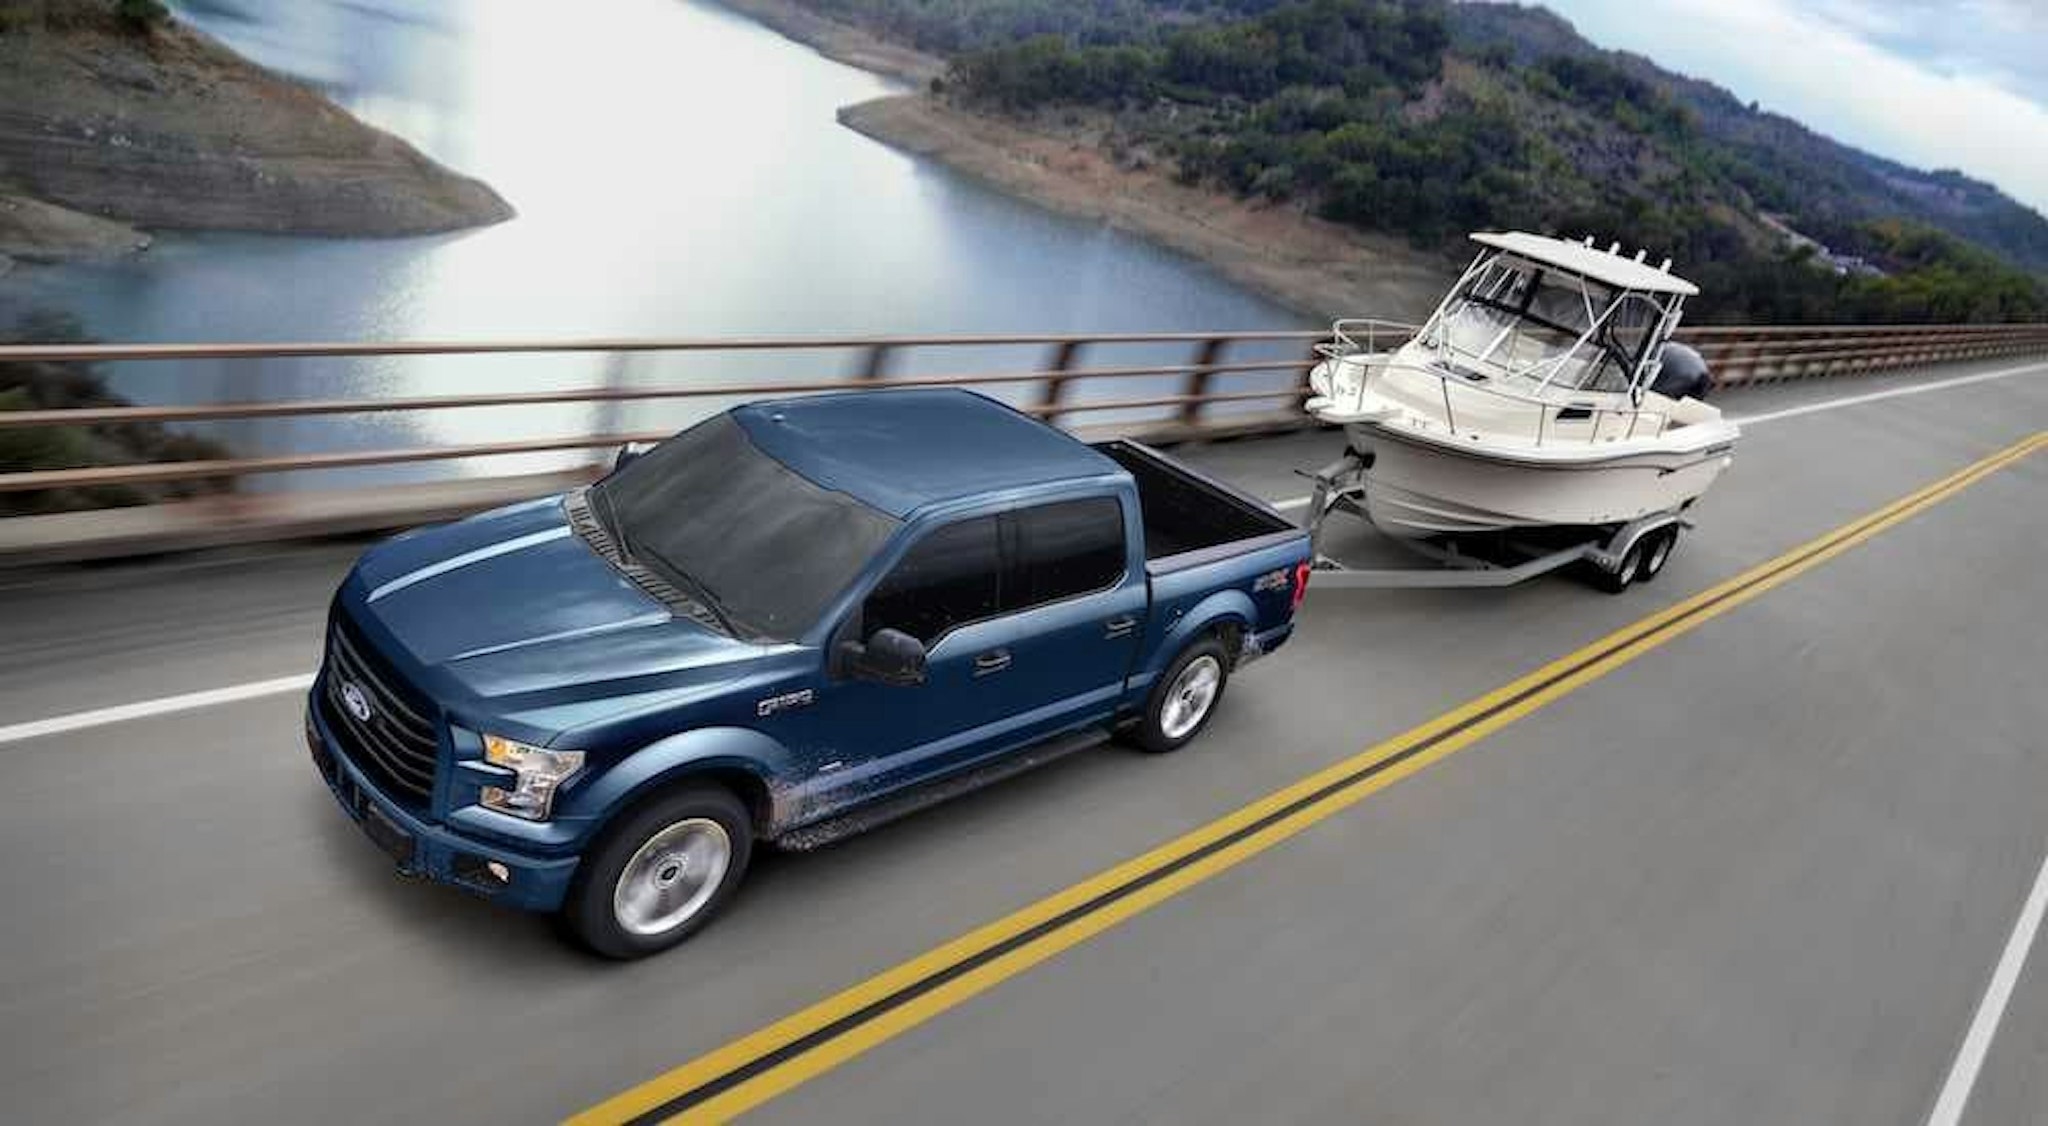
[1516, 321]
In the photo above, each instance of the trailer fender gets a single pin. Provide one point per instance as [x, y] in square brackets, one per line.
[1626, 537]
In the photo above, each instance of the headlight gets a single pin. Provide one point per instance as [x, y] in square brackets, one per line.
[541, 772]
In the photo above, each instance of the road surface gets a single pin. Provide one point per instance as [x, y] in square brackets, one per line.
[1762, 872]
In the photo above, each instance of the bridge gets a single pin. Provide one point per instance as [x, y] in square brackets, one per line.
[1759, 842]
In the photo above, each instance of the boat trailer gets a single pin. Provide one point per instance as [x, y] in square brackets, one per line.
[1615, 557]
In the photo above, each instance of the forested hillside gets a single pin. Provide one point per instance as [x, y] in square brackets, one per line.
[1428, 119]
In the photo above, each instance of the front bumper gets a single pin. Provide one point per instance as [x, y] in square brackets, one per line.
[432, 851]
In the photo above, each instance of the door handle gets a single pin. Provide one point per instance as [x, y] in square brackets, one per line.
[1119, 627]
[993, 661]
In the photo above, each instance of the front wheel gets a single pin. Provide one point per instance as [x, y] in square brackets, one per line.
[660, 874]
[1184, 697]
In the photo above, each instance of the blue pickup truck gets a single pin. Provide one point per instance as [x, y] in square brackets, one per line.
[787, 623]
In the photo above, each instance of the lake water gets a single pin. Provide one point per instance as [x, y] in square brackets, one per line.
[678, 171]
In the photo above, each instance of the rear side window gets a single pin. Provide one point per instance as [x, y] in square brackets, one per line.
[948, 578]
[1065, 549]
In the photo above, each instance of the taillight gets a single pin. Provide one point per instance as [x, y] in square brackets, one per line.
[1301, 573]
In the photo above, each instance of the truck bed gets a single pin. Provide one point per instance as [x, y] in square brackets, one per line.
[1188, 516]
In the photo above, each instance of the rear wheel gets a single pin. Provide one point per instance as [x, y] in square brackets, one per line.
[1657, 552]
[1617, 579]
[1184, 697]
[660, 873]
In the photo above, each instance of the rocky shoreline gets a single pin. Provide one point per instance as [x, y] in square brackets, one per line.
[1317, 268]
[112, 129]
[841, 42]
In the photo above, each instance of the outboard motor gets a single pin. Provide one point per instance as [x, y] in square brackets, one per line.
[1681, 372]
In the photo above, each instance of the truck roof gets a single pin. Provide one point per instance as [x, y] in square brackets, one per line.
[900, 450]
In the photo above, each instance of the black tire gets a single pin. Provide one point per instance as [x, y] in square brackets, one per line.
[1157, 732]
[1619, 579]
[589, 914]
[1657, 549]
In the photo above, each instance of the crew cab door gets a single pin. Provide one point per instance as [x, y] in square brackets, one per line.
[1046, 650]
[1030, 621]
[1074, 603]
[865, 739]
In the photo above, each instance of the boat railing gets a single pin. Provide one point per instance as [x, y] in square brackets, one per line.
[1554, 422]
[1364, 336]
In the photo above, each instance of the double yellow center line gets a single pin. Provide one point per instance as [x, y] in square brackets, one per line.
[748, 1072]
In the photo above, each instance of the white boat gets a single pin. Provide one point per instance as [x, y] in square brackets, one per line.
[1544, 391]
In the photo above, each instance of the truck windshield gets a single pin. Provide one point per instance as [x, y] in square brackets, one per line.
[763, 546]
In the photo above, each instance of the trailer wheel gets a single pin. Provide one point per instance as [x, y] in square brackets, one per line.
[659, 874]
[1628, 571]
[1184, 698]
[1657, 552]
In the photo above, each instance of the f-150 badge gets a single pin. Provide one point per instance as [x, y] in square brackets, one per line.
[800, 699]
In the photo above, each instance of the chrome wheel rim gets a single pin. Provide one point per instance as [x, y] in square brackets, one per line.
[1190, 696]
[1629, 567]
[672, 876]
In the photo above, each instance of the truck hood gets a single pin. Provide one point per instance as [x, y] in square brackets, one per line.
[512, 603]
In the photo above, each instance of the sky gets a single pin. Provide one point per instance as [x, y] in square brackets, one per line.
[1933, 84]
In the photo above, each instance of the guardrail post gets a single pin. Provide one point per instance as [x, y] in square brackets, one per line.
[610, 418]
[1206, 358]
[238, 384]
[876, 368]
[1743, 368]
[1054, 390]
[1302, 388]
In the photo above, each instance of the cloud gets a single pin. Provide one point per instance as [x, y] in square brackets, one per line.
[2000, 41]
[1928, 83]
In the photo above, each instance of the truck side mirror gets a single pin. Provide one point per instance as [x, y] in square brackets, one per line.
[889, 657]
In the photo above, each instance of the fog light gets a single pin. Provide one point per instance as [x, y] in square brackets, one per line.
[485, 875]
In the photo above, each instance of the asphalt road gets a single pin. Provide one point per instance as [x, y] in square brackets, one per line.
[1761, 873]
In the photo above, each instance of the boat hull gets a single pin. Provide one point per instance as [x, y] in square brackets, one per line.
[1417, 488]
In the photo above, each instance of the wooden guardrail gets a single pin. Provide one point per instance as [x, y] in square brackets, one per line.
[1212, 392]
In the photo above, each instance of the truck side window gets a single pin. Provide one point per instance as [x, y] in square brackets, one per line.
[1064, 549]
[948, 578]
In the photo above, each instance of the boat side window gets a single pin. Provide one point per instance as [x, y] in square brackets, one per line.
[1063, 550]
[1600, 371]
[1628, 330]
[950, 578]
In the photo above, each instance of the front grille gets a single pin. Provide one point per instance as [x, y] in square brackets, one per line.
[396, 746]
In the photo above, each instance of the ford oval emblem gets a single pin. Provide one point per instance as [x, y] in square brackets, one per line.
[355, 701]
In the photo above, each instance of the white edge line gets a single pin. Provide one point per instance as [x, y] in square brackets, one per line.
[1962, 1074]
[145, 709]
[1896, 392]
